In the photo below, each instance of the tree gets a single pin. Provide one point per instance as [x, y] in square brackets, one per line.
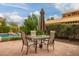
[52, 18]
[3, 26]
[2, 21]
[13, 27]
[30, 23]
[4, 29]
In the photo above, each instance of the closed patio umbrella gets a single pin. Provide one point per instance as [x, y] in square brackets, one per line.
[42, 21]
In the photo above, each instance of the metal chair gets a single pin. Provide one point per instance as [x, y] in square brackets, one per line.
[51, 40]
[27, 42]
[33, 33]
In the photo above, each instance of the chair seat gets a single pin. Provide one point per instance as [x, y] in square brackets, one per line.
[30, 42]
[46, 39]
[45, 42]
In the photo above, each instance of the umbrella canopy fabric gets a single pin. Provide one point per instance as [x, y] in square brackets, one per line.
[42, 21]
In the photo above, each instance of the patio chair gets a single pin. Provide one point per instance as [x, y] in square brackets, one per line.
[27, 42]
[50, 41]
[33, 33]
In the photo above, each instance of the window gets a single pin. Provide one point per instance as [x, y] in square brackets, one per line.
[69, 15]
[72, 13]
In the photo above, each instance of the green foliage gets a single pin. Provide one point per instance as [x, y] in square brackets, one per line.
[4, 29]
[2, 21]
[39, 32]
[65, 31]
[3, 26]
[30, 24]
[13, 27]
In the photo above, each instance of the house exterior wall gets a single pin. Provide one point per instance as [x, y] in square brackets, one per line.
[67, 18]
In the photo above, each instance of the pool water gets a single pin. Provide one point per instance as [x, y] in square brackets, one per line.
[6, 36]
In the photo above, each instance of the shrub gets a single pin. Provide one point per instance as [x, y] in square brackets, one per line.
[30, 23]
[4, 29]
[39, 32]
[65, 31]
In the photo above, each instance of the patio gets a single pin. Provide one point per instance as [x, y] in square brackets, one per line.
[62, 48]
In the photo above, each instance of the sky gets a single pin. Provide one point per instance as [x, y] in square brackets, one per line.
[17, 12]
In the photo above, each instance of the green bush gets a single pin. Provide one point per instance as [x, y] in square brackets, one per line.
[30, 24]
[39, 32]
[4, 29]
[65, 31]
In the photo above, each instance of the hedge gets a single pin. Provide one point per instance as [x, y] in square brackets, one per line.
[64, 31]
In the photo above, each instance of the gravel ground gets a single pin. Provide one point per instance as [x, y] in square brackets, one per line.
[62, 48]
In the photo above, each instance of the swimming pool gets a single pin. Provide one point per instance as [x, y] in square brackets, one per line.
[5, 36]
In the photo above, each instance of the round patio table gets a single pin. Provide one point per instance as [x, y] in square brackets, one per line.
[39, 38]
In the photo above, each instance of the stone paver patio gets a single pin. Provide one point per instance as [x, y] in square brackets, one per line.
[62, 48]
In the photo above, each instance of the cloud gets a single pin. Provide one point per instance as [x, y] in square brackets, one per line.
[64, 7]
[75, 6]
[55, 16]
[21, 6]
[12, 17]
[37, 13]
[1, 15]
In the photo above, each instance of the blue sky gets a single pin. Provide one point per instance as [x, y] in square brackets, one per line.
[16, 12]
[26, 9]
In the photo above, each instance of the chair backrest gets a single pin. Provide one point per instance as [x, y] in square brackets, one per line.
[52, 37]
[33, 33]
[23, 36]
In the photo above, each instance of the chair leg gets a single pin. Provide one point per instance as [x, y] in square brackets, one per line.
[27, 50]
[48, 47]
[36, 47]
[53, 46]
[22, 48]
